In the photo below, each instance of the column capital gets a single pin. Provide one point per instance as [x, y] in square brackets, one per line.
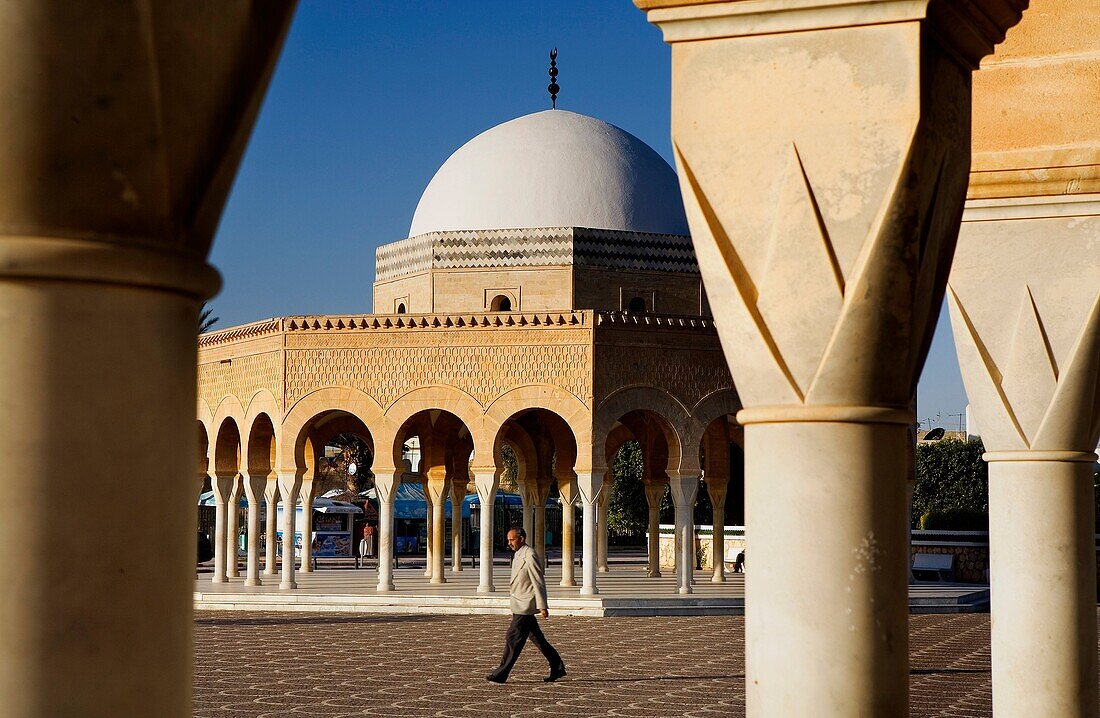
[567, 489]
[716, 489]
[685, 487]
[972, 29]
[386, 481]
[590, 484]
[843, 176]
[654, 491]
[486, 482]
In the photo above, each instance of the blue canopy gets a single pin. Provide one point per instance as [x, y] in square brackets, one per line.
[409, 502]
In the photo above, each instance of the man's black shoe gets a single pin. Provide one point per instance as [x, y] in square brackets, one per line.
[494, 678]
[555, 675]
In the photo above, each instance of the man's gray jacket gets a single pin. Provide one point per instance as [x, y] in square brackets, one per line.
[528, 586]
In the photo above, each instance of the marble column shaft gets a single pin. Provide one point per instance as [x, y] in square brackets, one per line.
[601, 524]
[386, 481]
[457, 489]
[271, 508]
[436, 491]
[567, 489]
[233, 527]
[654, 492]
[221, 482]
[290, 482]
[306, 494]
[685, 488]
[589, 484]
[486, 481]
[254, 487]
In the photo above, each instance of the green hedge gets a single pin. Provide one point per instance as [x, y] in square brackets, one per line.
[952, 485]
[954, 520]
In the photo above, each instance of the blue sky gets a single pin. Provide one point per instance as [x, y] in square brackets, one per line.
[370, 97]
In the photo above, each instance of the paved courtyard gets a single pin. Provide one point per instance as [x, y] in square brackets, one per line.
[330, 665]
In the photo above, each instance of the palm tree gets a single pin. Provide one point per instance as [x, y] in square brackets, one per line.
[205, 320]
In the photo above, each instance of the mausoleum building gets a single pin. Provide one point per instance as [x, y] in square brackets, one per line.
[547, 299]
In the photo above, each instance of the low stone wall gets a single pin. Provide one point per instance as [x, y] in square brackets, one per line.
[734, 544]
[970, 549]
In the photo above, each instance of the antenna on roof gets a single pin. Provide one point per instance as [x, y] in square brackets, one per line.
[553, 86]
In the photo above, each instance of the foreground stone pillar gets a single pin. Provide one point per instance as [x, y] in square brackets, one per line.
[122, 130]
[290, 483]
[386, 482]
[254, 487]
[685, 488]
[457, 489]
[567, 489]
[271, 508]
[486, 481]
[1024, 296]
[654, 492]
[590, 484]
[221, 482]
[436, 489]
[825, 146]
[601, 524]
[233, 527]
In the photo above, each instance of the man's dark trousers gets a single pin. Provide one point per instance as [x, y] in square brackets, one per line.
[524, 626]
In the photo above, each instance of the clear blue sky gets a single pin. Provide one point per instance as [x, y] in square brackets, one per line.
[369, 98]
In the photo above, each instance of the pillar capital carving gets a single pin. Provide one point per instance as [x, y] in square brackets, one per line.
[590, 484]
[386, 483]
[835, 161]
[567, 489]
[684, 487]
[971, 29]
[255, 486]
[486, 481]
[716, 489]
[654, 491]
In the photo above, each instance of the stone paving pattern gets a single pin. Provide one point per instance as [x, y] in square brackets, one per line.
[272, 665]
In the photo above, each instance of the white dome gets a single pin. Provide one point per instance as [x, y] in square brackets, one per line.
[553, 169]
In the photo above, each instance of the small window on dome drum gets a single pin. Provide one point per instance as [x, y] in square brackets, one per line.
[500, 303]
[401, 308]
[636, 306]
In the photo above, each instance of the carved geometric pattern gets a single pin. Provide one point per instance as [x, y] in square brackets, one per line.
[1031, 374]
[537, 247]
[484, 370]
[804, 300]
[689, 374]
[242, 377]
[812, 267]
[1030, 385]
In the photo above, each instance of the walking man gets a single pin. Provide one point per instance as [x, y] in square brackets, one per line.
[528, 589]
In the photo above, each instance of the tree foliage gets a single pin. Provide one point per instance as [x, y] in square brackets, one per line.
[336, 473]
[509, 478]
[627, 512]
[952, 484]
[206, 321]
